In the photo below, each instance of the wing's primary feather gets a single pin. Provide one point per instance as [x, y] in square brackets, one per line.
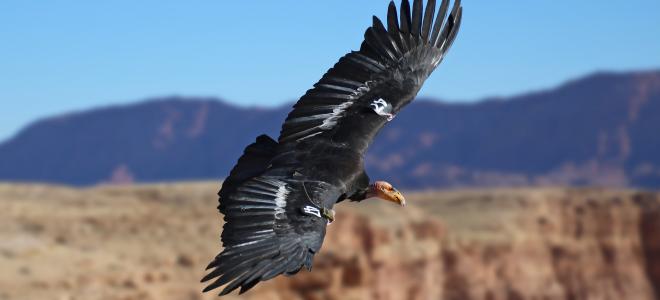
[405, 17]
[416, 18]
[442, 13]
[428, 19]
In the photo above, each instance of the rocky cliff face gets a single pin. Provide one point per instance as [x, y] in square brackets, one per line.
[552, 244]
[152, 242]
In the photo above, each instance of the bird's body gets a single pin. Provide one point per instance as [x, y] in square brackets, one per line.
[278, 199]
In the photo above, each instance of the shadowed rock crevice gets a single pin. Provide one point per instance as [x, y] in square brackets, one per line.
[650, 236]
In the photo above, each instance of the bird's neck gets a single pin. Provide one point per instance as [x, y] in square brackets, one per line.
[363, 194]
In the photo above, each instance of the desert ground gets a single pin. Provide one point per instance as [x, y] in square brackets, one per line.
[154, 241]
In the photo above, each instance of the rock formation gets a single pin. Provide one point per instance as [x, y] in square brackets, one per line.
[152, 242]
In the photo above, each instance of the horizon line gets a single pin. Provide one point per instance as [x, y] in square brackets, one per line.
[280, 105]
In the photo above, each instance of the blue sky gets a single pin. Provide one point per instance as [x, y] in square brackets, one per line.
[59, 56]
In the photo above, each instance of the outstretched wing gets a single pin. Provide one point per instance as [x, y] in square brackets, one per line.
[367, 87]
[273, 222]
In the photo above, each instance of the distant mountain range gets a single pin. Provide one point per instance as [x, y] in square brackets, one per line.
[600, 130]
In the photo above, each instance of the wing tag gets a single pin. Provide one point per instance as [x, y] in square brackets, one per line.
[311, 210]
[382, 108]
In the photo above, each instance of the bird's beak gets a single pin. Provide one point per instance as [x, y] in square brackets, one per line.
[393, 196]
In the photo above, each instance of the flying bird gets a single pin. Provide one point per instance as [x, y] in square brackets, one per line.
[279, 197]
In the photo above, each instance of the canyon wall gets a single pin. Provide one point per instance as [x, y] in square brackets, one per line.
[153, 242]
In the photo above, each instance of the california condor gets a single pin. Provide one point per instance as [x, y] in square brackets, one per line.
[278, 199]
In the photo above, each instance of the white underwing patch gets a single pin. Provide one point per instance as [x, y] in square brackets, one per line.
[280, 200]
[330, 122]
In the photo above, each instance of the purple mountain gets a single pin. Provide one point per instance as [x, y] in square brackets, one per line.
[599, 130]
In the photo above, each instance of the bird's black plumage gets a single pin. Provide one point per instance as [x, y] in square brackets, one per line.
[275, 197]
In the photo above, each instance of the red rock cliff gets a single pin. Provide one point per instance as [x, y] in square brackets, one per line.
[152, 242]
